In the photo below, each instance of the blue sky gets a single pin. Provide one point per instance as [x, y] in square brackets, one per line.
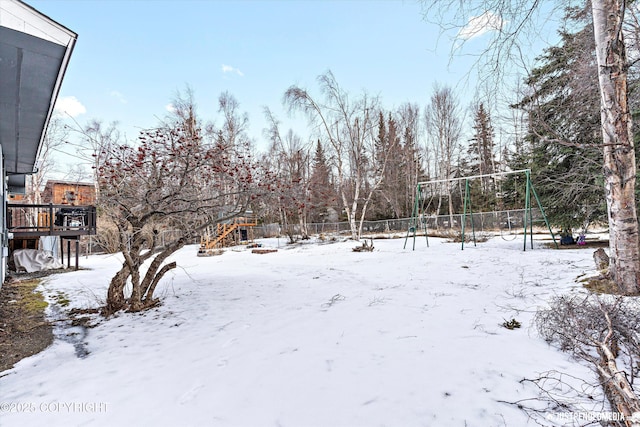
[132, 56]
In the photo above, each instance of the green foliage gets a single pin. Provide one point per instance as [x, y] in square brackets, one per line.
[322, 193]
[481, 161]
[563, 145]
[396, 149]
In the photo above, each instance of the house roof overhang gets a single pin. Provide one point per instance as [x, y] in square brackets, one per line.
[34, 53]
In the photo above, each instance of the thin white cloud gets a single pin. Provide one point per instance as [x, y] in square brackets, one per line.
[229, 69]
[479, 25]
[170, 108]
[69, 106]
[119, 96]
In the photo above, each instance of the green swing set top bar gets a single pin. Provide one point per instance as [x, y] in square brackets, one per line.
[528, 216]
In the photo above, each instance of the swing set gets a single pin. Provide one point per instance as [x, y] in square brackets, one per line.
[420, 213]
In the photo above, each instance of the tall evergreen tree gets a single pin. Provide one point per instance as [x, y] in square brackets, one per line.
[481, 159]
[481, 147]
[322, 194]
[391, 194]
[564, 129]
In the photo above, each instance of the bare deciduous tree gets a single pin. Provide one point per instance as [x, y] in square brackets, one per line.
[349, 129]
[174, 179]
[286, 169]
[96, 140]
[443, 120]
[55, 137]
[409, 125]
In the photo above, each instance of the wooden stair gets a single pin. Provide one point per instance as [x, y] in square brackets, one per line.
[212, 243]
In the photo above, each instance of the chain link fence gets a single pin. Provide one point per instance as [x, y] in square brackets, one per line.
[511, 221]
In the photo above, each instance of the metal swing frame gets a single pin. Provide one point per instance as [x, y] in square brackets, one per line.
[418, 220]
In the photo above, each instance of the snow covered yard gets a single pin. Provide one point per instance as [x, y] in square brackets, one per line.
[311, 335]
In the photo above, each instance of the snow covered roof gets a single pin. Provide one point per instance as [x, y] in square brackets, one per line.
[34, 53]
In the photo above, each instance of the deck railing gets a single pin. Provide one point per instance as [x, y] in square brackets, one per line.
[24, 220]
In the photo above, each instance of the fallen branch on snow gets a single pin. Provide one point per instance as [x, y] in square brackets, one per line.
[365, 247]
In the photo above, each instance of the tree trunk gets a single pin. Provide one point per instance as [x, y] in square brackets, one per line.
[153, 276]
[115, 294]
[439, 207]
[302, 222]
[616, 386]
[619, 158]
[353, 224]
[148, 299]
[449, 196]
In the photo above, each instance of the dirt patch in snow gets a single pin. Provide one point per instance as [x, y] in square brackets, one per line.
[24, 329]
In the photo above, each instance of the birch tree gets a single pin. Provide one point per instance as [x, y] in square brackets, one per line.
[444, 129]
[348, 126]
[619, 166]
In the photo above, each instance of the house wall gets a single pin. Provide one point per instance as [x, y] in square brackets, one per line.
[66, 193]
[4, 234]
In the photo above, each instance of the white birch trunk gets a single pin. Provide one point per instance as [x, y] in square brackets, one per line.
[619, 158]
[354, 211]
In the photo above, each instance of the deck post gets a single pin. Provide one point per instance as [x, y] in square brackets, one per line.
[77, 253]
[51, 219]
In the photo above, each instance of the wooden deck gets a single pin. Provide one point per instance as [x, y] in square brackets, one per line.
[26, 221]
